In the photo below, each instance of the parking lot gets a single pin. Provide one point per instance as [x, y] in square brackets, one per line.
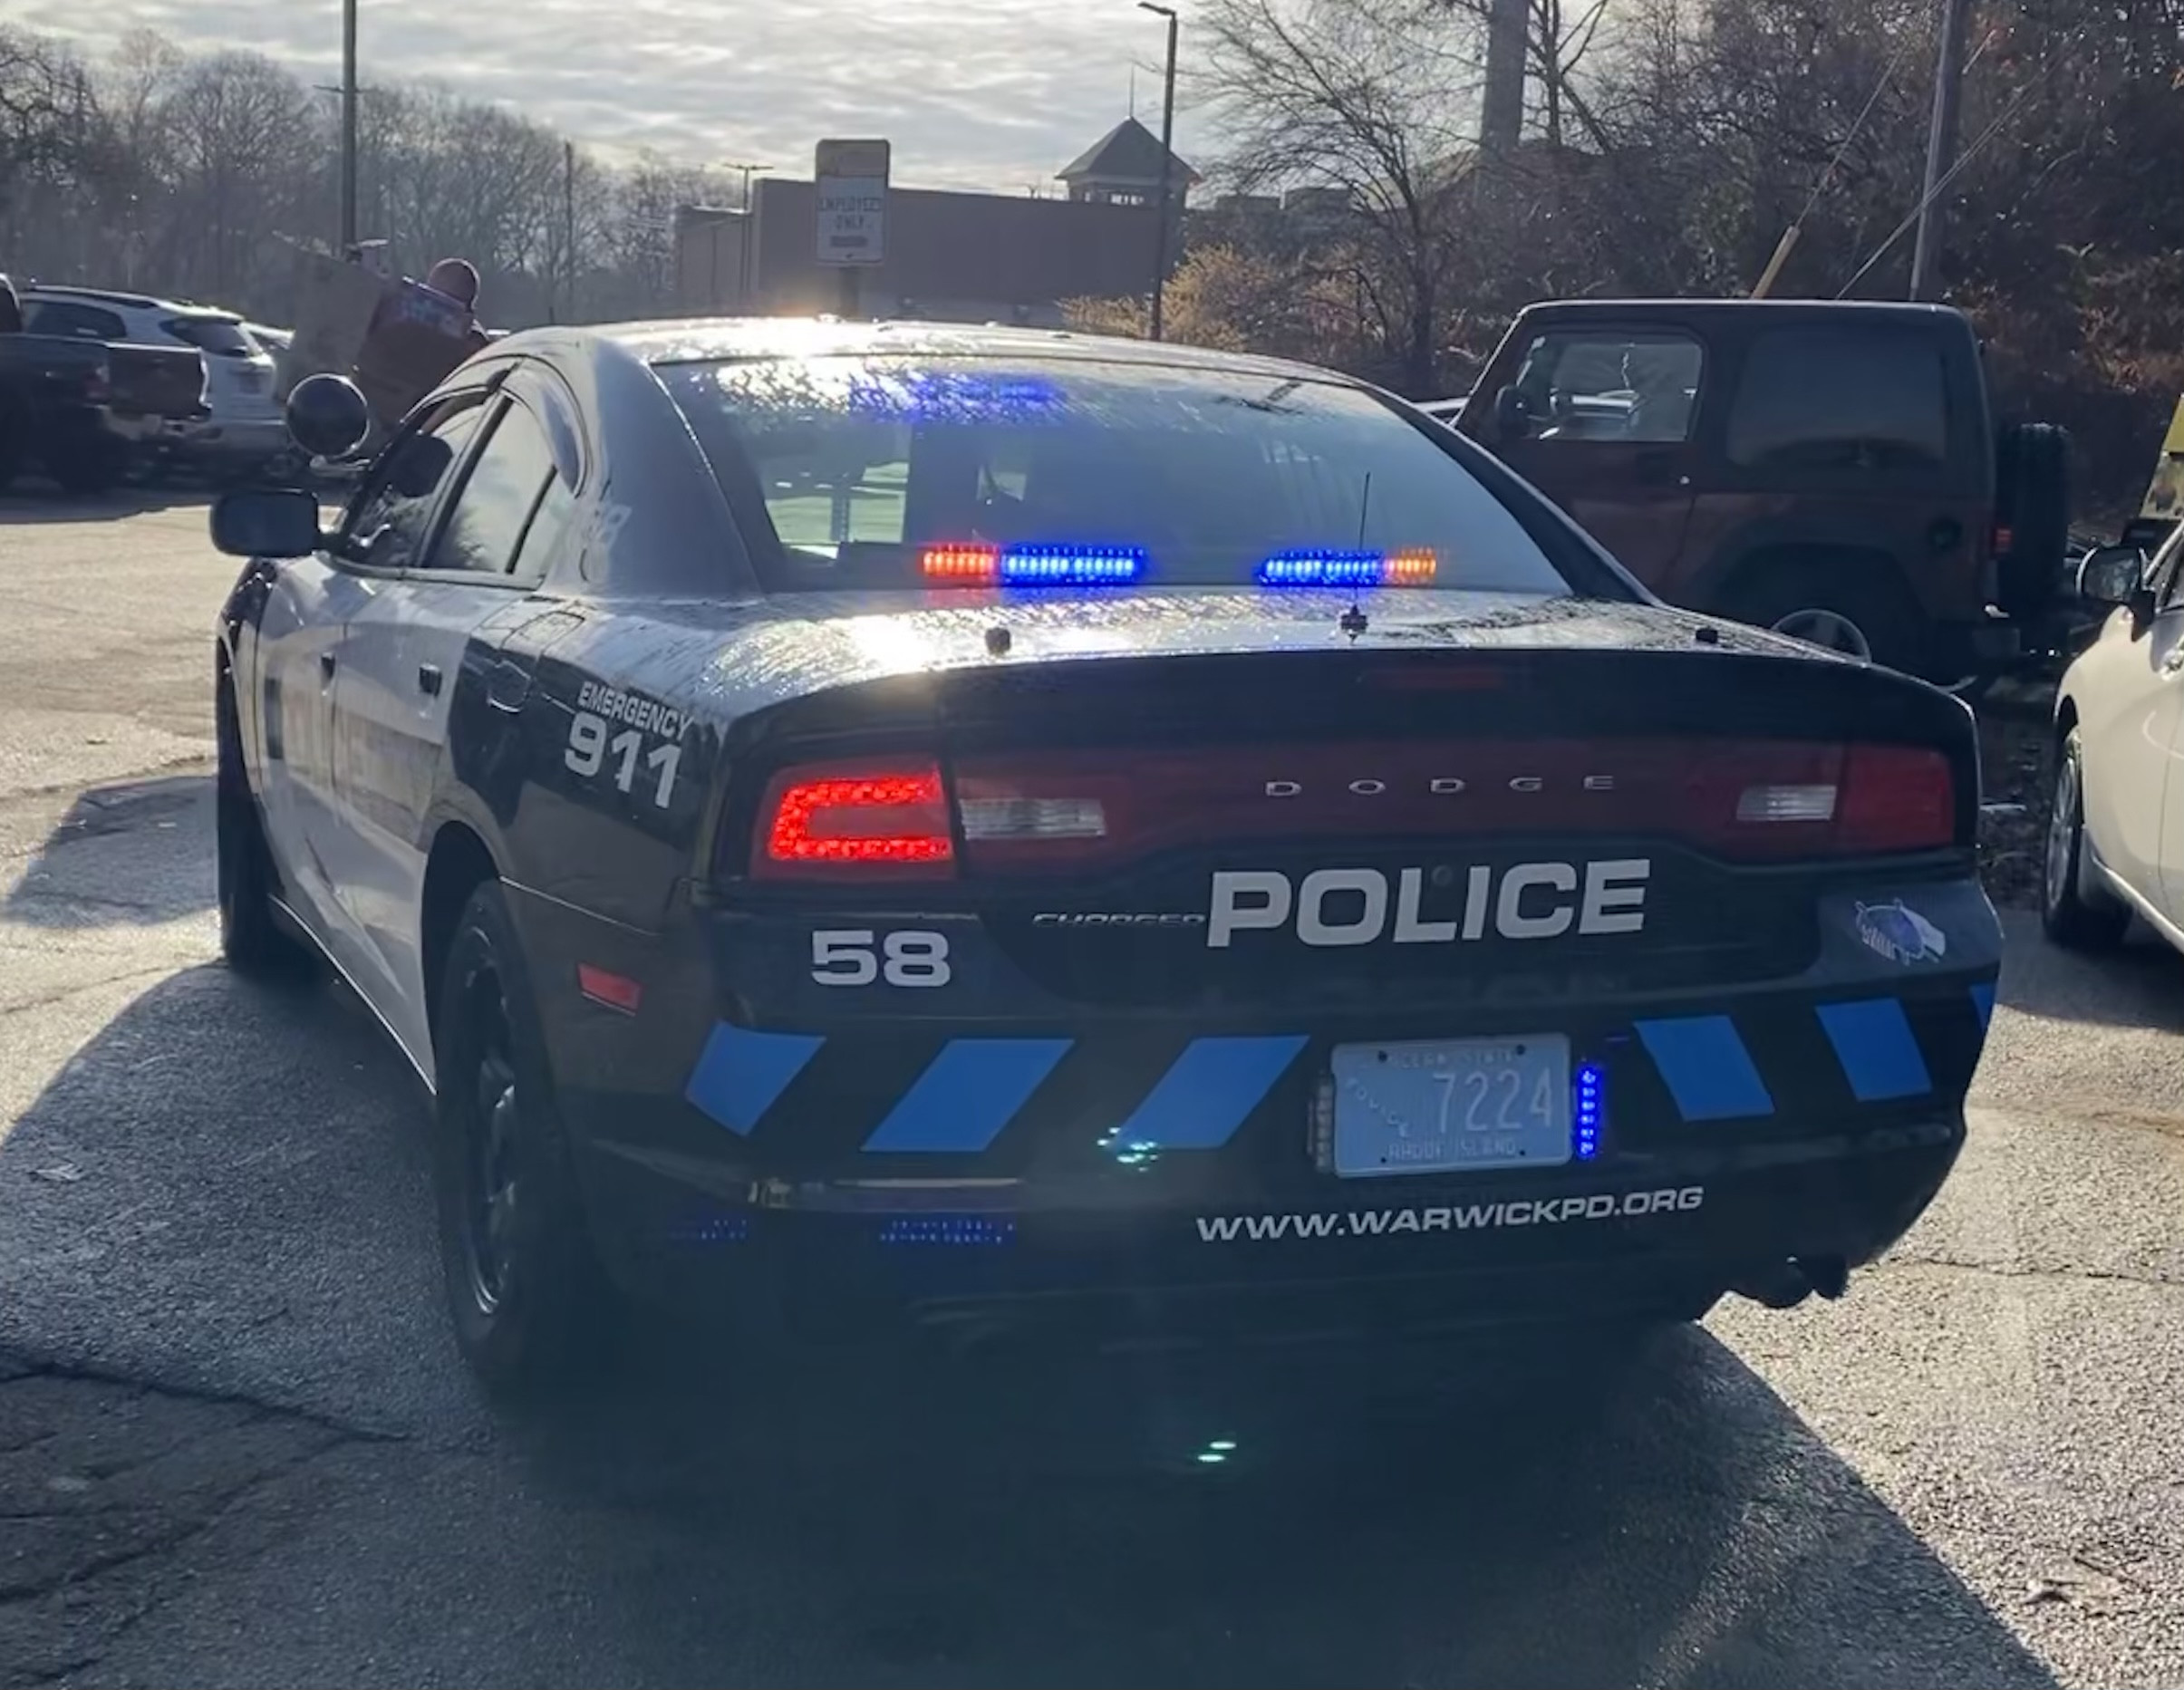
[237, 1445]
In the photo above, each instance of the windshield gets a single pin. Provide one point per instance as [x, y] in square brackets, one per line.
[864, 473]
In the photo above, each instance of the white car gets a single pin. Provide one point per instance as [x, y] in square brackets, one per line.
[2115, 839]
[245, 428]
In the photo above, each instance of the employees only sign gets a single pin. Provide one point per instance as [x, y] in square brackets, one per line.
[851, 181]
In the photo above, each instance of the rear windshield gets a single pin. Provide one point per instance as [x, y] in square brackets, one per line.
[874, 473]
[220, 336]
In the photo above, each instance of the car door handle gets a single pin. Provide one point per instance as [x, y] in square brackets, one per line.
[427, 680]
[325, 665]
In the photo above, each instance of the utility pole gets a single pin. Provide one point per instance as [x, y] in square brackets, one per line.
[1167, 165]
[1940, 145]
[348, 128]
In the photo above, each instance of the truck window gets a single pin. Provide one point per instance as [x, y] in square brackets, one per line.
[76, 322]
[1606, 385]
[1847, 397]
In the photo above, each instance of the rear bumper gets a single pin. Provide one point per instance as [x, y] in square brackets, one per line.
[1574, 1249]
[743, 1133]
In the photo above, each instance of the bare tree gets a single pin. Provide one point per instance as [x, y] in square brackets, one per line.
[1372, 99]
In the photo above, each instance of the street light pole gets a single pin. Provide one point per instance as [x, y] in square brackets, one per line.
[1167, 164]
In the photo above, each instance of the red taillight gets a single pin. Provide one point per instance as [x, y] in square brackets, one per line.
[1043, 813]
[854, 816]
[1895, 798]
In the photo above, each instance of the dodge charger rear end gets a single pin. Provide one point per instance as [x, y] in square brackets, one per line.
[1187, 842]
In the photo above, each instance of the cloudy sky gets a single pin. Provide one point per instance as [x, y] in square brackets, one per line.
[974, 93]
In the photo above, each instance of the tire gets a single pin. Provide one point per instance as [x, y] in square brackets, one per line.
[1851, 606]
[533, 1311]
[252, 940]
[2076, 913]
[86, 469]
[2032, 502]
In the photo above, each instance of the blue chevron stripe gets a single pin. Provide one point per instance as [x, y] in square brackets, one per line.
[967, 1095]
[1206, 1093]
[740, 1073]
[1703, 1063]
[1879, 1052]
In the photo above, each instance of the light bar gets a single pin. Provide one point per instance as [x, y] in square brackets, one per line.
[1031, 565]
[1321, 568]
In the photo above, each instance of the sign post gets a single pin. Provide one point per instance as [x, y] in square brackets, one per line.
[849, 180]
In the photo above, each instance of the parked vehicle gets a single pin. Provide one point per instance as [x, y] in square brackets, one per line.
[807, 868]
[82, 408]
[2115, 842]
[242, 430]
[1830, 470]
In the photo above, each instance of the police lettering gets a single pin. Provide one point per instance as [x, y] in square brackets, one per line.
[1333, 907]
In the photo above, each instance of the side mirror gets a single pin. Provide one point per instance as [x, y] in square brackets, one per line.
[1513, 415]
[2113, 574]
[328, 415]
[266, 522]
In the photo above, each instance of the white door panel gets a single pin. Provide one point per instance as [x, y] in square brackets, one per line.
[300, 635]
[401, 665]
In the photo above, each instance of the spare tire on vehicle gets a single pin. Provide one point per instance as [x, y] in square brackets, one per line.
[2032, 516]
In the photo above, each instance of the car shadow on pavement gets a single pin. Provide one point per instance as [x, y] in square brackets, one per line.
[22, 506]
[224, 1192]
[1324, 1518]
[135, 851]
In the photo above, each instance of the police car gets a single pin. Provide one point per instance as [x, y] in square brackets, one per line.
[966, 823]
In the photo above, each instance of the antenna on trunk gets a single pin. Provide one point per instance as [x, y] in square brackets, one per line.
[1352, 620]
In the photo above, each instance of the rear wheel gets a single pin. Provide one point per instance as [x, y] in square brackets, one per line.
[2076, 911]
[533, 1310]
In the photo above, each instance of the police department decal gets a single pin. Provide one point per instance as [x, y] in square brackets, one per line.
[1898, 933]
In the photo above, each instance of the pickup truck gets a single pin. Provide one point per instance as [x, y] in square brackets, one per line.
[85, 410]
[1830, 470]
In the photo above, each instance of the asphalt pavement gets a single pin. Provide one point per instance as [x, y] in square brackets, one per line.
[237, 1446]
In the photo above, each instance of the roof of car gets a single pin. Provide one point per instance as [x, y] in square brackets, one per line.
[131, 302]
[1701, 309]
[703, 339]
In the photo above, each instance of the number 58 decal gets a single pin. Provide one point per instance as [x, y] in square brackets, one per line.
[855, 956]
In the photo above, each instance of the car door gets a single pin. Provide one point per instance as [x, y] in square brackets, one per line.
[403, 660]
[387, 527]
[1609, 433]
[2130, 691]
[298, 638]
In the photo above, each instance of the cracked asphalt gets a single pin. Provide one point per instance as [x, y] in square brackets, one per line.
[236, 1446]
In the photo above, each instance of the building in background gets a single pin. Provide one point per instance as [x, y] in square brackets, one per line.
[950, 258]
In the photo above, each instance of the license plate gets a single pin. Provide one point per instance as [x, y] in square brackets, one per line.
[1442, 1105]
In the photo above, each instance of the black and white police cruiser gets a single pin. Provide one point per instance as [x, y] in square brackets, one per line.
[965, 821]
